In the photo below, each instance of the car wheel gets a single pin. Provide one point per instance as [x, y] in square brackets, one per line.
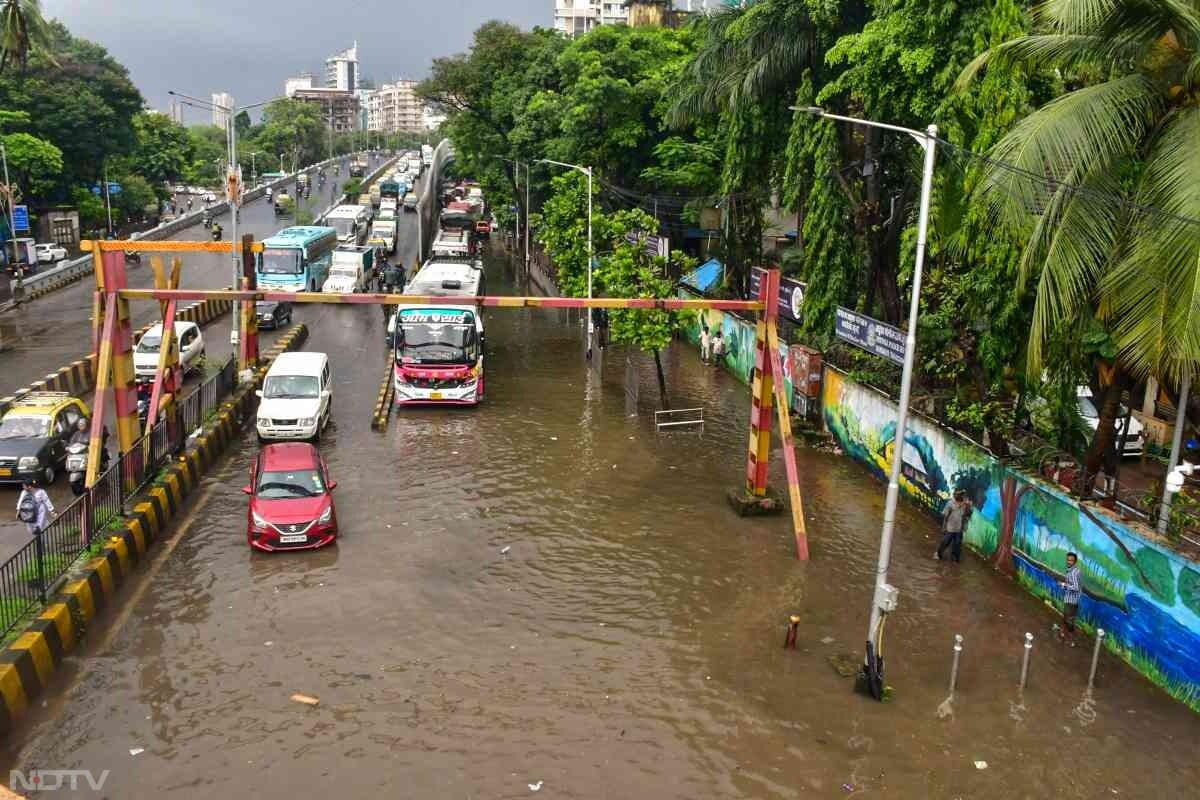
[48, 474]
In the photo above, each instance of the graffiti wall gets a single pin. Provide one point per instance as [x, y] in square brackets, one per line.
[739, 342]
[1143, 594]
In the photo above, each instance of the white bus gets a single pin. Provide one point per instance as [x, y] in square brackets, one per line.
[350, 222]
[439, 349]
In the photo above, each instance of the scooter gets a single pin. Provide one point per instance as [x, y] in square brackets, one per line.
[77, 458]
[133, 257]
[216, 233]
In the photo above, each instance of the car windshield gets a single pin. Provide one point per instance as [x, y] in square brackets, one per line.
[344, 226]
[429, 343]
[290, 484]
[150, 343]
[281, 261]
[264, 307]
[24, 427]
[293, 387]
[343, 272]
[1087, 409]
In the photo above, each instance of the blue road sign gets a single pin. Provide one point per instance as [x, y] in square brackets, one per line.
[113, 188]
[871, 335]
[21, 217]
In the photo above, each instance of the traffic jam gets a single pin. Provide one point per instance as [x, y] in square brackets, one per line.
[436, 352]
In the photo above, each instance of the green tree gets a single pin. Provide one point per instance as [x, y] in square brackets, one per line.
[242, 124]
[33, 163]
[291, 127]
[22, 30]
[82, 102]
[1125, 136]
[162, 150]
[207, 145]
[135, 198]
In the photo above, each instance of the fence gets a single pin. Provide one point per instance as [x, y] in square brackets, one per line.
[32, 574]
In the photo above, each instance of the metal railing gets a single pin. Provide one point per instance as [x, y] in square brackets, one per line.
[31, 575]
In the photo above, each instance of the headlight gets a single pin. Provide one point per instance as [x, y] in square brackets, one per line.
[326, 515]
[259, 522]
[307, 421]
[28, 462]
[469, 383]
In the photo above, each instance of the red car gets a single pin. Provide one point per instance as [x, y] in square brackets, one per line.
[291, 500]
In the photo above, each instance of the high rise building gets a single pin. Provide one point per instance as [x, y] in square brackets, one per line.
[175, 111]
[575, 17]
[223, 105]
[341, 70]
[338, 108]
[302, 81]
[395, 108]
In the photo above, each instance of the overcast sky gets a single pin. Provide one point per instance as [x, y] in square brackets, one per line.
[249, 47]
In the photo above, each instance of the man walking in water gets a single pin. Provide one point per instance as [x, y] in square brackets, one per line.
[954, 523]
[1071, 594]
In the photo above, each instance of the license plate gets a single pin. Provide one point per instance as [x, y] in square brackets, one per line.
[5, 472]
[292, 538]
[435, 395]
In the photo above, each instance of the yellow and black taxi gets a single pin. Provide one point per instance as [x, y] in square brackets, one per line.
[34, 435]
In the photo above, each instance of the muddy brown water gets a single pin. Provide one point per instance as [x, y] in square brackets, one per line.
[628, 644]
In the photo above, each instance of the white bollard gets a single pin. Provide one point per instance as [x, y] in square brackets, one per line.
[1025, 658]
[958, 646]
[1095, 657]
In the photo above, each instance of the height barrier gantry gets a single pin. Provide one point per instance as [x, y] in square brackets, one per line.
[113, 344]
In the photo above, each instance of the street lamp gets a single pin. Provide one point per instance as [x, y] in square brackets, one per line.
[253, 168]
[591, 327]
[516, 176]
[884, 593]
[233, 172]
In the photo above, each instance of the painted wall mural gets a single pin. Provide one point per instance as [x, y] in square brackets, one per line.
[1144, 595]
[739, 342]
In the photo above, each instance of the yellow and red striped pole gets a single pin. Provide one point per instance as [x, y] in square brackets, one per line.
[761, 388]
[248, 319]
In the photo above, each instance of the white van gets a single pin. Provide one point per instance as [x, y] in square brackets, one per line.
[296, 401]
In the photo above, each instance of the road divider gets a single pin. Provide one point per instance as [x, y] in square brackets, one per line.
[383, 405]
[28, 664]
[80, 376]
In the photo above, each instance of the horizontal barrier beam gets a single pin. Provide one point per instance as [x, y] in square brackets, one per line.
[145, 246]
[671, 303]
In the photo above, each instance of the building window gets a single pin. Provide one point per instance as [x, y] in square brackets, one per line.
[63, 232]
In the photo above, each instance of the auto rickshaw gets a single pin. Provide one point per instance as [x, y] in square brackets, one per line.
[284, 204]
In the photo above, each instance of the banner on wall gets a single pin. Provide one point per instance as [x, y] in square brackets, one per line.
[877, 338]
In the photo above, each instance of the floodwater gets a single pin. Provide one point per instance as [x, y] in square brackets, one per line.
[627, 644]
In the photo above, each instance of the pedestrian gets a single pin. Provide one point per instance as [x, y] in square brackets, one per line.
[34, 507]
[718, 347]
[954, 523]
[705, 342]
[1072, 591]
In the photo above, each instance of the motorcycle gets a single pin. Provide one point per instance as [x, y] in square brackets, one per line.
[216, 234]
[133, 257]
[77, 458]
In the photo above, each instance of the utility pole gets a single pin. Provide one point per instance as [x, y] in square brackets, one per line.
[526, 217]
[108, 201]
[12, 217]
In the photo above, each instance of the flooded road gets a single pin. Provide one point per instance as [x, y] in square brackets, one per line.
[627, 644]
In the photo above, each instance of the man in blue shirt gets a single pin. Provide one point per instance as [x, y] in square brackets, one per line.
[1072, 591]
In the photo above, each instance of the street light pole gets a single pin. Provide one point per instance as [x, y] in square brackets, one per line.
[526, 217]
[928, 141]
[591, 326]
[12, 218]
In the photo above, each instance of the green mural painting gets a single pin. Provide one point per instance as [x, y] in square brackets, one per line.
[1144, 595]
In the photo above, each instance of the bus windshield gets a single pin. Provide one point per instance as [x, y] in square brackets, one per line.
[434, 343]
[281, 261]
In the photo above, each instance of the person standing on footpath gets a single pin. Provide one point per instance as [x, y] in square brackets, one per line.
[954, 523]
[705, 342]
[718, 347]
[1072, 591]
[34, 507]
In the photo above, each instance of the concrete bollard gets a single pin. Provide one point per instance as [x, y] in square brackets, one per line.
[1025, 658]
[1095, 657]
[958, 646]
[793, 626]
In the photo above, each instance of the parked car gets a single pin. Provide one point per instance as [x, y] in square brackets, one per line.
[291, 499]
[34, 434]
[1135, 439]
[189, 341]
[50, 252]
[273, 314]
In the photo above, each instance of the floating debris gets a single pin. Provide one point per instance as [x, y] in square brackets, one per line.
[536, 787]
[980, 765]
[306, 699]
[504, 550]
[133, 751]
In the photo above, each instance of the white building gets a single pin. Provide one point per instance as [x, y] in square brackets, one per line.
[175, 111]
[575, 17]
[395, 108]
[431, 118]
[341, 70]
[303, 81]
[220, 101]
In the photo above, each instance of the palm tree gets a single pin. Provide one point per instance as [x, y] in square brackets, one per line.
[1103, 184]
[22, 30]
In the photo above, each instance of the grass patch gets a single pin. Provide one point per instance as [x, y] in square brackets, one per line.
[53, 565]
